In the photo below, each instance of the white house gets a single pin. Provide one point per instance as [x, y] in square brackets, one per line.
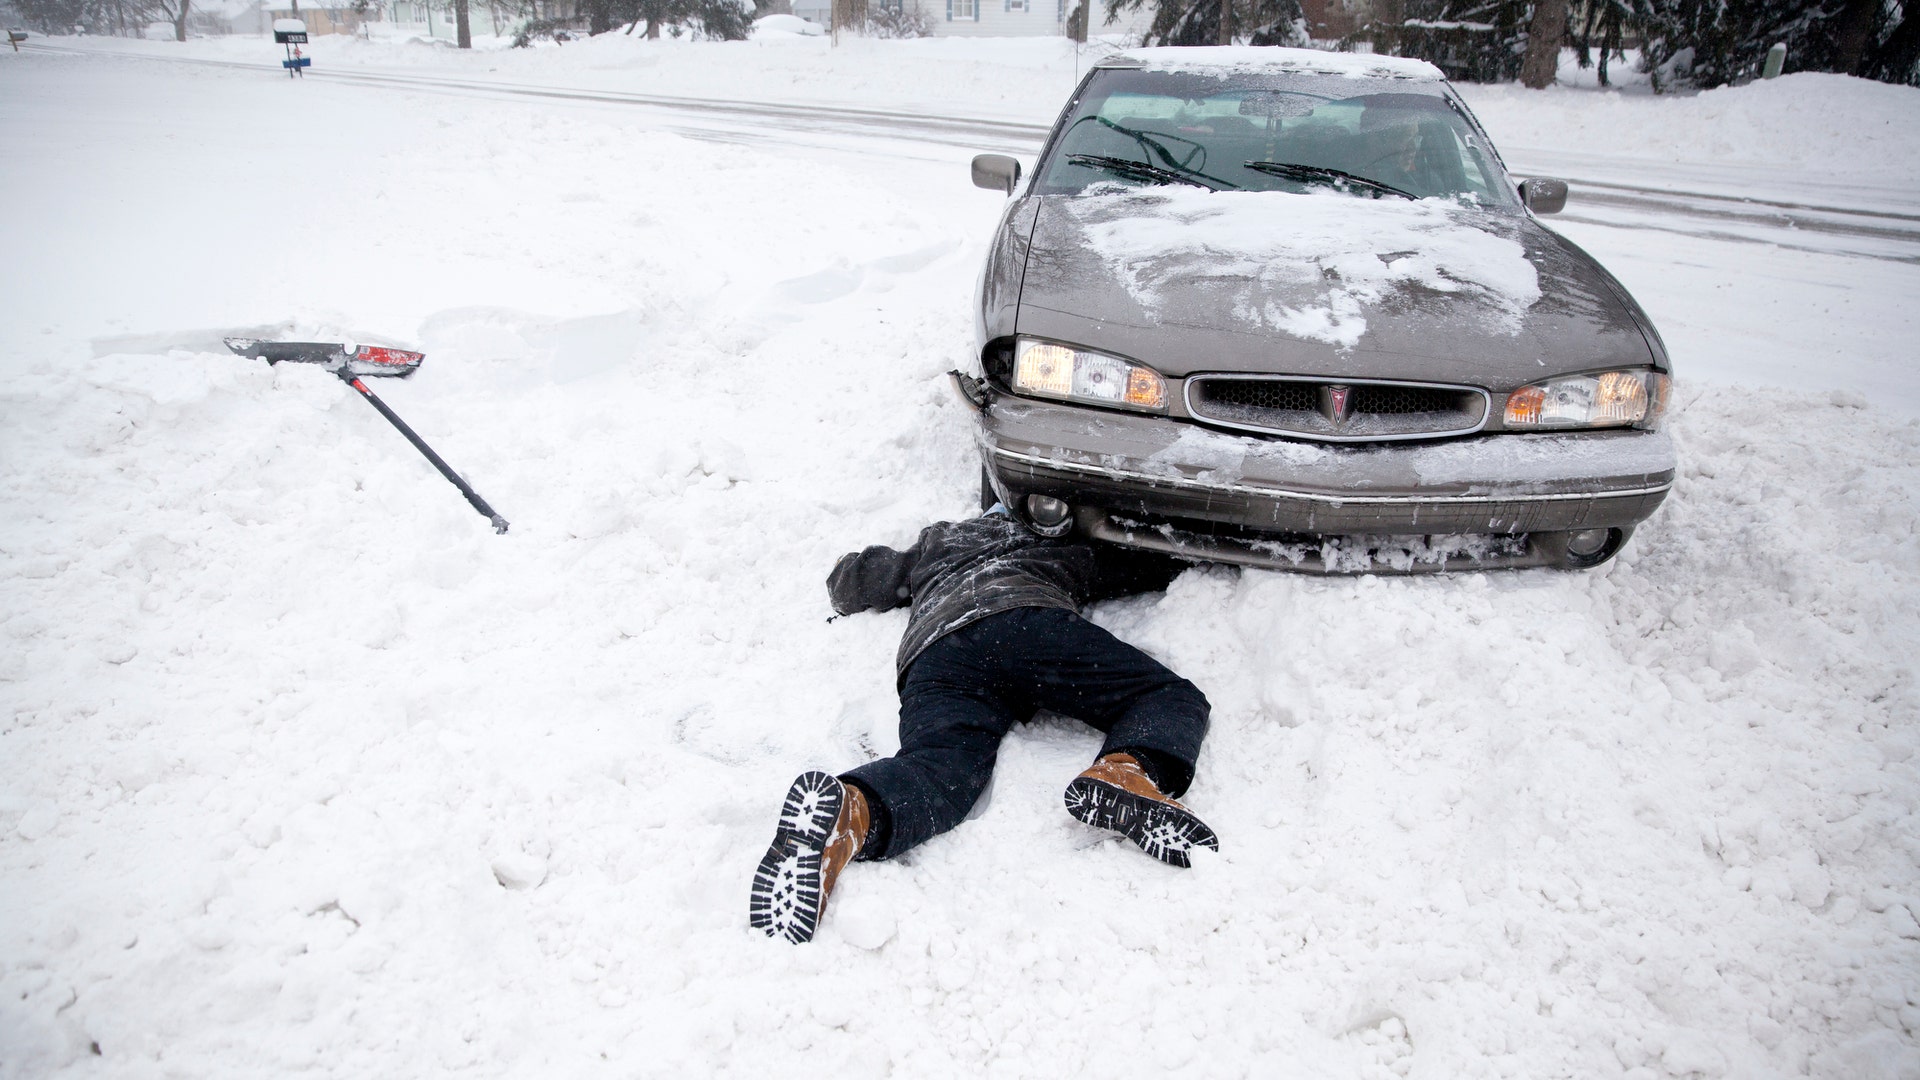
[996, 18]
[1024, 18]
[999, 18]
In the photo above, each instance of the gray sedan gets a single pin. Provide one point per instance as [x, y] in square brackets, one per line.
[1286, 308]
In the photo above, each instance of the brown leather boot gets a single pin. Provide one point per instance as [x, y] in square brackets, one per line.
[1115, 794]
[822, 825]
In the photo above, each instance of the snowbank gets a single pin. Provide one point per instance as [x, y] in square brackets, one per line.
[304, 770]
[1847, 129]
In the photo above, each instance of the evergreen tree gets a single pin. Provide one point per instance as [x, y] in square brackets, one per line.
[1607, 22]
[718, 20]
[1469, 40]
[1707, 43]
[1700, 43]
[1198, 22]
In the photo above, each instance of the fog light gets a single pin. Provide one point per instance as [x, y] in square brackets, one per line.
[1587, 542]
[1050, 516]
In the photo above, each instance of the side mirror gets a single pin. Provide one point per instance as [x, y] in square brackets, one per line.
[996, 171]
[1544, 196]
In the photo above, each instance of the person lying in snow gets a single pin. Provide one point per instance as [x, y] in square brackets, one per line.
[994, 636]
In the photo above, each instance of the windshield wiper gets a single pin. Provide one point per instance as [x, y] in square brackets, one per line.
[1315, 174]
[1140, 170]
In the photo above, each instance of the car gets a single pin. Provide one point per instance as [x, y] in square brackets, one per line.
[1287, 308]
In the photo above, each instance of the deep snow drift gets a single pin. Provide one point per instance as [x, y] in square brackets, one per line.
[304, 770]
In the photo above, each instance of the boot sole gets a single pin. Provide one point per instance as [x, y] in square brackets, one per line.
[1165, 831]
[786, 900]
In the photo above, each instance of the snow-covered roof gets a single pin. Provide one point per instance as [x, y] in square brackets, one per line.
[1273, 58]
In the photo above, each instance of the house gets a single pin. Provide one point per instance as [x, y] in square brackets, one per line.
[997, 18]
[434, 18]
[320, 18]
[425, 18]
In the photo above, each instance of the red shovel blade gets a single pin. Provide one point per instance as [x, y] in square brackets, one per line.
[361, 360]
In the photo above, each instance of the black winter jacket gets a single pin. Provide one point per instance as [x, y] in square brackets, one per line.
[960, 572]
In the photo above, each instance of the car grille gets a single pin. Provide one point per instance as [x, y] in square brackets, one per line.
[1315, 409]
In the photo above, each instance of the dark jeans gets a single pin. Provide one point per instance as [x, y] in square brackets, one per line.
[969, 688]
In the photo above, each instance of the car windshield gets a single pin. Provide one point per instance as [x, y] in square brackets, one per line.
[1270, 132]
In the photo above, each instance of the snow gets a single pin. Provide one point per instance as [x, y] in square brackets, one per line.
[1274, 58]
[787, 24]
[1344, 253]
[1859, 136]
[302, 769]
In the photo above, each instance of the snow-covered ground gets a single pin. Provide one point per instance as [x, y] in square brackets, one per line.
[304, 770]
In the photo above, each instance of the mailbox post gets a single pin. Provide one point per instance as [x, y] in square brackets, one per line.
[292, 33]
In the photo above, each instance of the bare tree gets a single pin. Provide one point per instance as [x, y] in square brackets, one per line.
[847, 15]
[462, 25]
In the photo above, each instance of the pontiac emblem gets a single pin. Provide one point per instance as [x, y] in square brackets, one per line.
[1333, 403]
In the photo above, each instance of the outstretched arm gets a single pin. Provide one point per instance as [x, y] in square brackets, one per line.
[1120, 571]
[876, 579]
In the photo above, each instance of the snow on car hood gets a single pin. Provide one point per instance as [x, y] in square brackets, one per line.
[1189, 279]
[1306, 265]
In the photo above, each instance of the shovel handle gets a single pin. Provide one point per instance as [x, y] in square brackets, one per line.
[473, 497]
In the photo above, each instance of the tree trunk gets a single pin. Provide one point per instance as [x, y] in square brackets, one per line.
[1853, 35]
[462, 28]
[1542, 63]
[1226, 22]
[296, 8]
[1389, 17]
[653, 28]
[180, 23]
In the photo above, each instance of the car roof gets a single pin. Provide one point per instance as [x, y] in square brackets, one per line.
[1273, 59]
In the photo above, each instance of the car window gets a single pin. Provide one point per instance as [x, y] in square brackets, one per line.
[1269, 133]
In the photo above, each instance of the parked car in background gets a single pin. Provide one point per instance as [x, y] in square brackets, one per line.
[1286, 308]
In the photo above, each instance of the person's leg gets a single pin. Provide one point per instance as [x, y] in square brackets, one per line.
[822, 823]
[953, 713]
[1154, 721]
[1080, 670]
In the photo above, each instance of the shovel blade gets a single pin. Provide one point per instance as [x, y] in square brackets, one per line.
[376, 360]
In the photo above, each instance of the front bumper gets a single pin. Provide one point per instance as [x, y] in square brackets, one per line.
[1122, 472]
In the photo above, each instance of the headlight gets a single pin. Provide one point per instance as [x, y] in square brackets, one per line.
[1044, 369]
[1608, 399]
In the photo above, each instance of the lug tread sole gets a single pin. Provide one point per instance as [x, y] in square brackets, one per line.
[1167, 831]
[786, 900]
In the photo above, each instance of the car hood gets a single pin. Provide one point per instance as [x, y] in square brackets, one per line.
[1327, 284]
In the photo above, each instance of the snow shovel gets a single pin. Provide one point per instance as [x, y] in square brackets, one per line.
[351, 362]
